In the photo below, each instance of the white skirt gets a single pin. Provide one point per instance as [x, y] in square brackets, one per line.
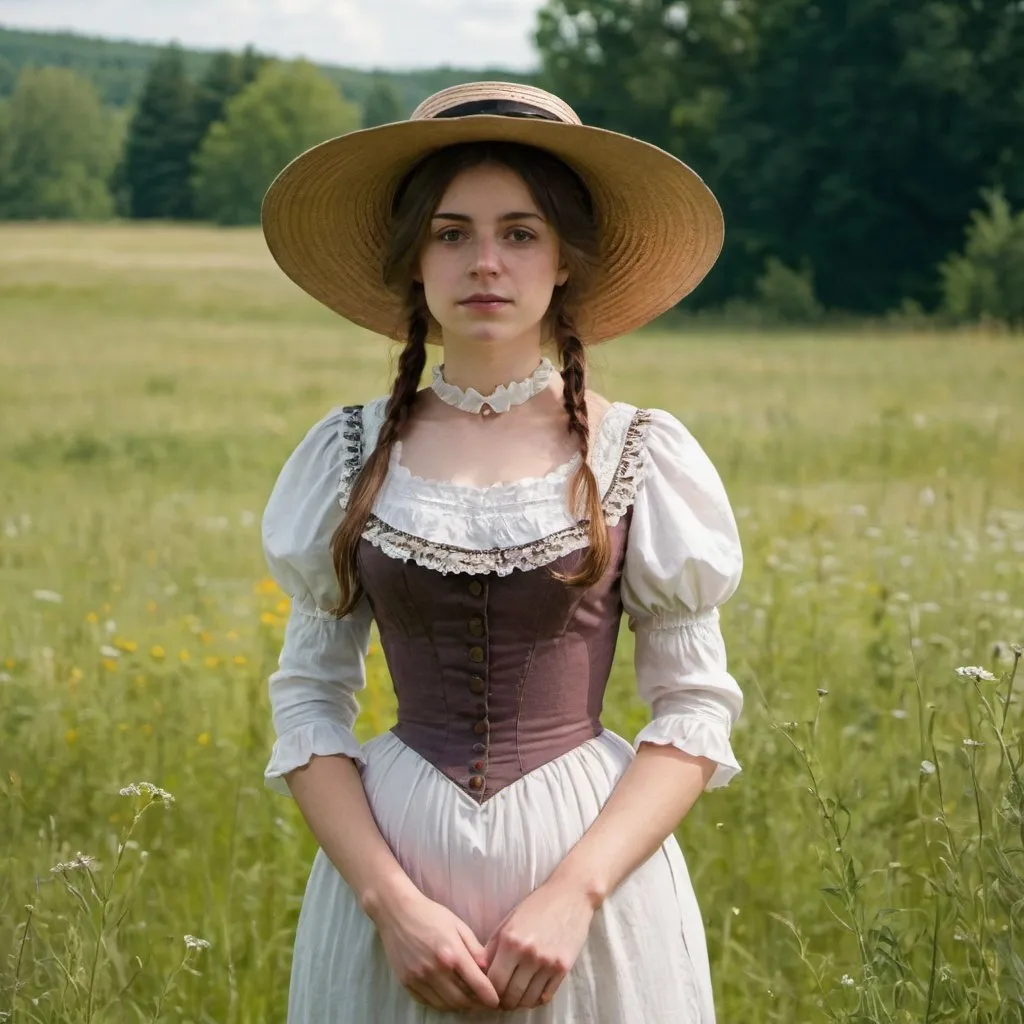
[645, 959]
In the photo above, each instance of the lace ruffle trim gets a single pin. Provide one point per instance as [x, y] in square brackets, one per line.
[449, 559]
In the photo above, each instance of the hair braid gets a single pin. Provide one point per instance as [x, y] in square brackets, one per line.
[586, 494]
[370, 479]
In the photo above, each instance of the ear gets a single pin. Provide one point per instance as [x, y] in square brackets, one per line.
[562, 276]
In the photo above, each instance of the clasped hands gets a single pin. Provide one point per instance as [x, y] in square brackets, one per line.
[441, 962]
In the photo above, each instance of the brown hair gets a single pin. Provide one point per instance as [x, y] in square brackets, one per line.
[567, 205]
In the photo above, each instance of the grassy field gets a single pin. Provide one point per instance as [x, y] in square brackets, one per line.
[866, 866]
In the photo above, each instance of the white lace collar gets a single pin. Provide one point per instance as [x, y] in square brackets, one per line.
[500, 400]
[523, 524]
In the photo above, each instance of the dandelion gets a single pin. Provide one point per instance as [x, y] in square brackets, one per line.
[269, 619]
[191, 942]
[927, 768]
[128, 646]
[157, 653]
[267, 587]
[147, 789]
[80, 862]
[284, 606]
[48, 596]
[110, 664]
[976, 673]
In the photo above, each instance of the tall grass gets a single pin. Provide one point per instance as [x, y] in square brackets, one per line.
[866, 866]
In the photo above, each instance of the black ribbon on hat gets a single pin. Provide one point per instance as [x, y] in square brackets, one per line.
[504, 108]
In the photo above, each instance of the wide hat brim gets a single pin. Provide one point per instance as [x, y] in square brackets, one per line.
[326, 217]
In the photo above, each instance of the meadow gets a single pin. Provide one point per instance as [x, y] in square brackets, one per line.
[867, 865]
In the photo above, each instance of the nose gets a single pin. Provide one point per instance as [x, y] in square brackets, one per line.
[485, 261]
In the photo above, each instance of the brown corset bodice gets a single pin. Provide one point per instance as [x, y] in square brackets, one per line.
[495, 675]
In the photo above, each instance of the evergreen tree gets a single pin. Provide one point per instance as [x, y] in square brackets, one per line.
[289, 108]
[57, 148]
[162, 137]
[226, 75]
[383, 104]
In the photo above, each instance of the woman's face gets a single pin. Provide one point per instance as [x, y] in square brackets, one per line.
[491, 261]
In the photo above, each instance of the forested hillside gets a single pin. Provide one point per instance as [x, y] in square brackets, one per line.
[118, 69]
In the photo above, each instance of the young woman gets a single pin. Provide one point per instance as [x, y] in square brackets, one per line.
[498, 850]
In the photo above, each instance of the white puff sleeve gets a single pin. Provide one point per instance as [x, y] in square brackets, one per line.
[683, 559]
[322, 661]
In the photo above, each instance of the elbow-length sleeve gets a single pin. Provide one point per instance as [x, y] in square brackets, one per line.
[322, 660]
[683, 560]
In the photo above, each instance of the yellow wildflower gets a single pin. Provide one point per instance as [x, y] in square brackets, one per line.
[76, 675]
[240, 659]
[92, 618]
[267, 587]
[130, 646]
[211, 661]
[157, 653]
[203, 739]
[110, 664]
[284, 606]
[70, 737]
[269, 619]
[184, 656]
[206, 638]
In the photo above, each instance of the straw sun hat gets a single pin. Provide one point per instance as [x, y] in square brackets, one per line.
[325, 217]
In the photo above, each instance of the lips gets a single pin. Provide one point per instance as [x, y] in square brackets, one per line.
[484, 300]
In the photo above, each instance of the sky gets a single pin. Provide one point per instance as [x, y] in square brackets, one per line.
[355, 33]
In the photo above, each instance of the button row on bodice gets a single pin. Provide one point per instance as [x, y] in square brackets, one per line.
[478, 686]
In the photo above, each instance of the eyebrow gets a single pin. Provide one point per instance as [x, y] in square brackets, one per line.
[465, 219]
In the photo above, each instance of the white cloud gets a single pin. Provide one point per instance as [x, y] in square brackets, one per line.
[357, 33]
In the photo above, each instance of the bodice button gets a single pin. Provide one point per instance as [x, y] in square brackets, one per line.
[476, 782]
[481, 727]
[476, 588]
[477, 685]
[476, 654]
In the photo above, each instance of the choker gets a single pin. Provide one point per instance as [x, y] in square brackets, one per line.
[500, 400]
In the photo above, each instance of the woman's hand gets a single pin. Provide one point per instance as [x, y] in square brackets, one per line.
[436, 956]
[535, 947]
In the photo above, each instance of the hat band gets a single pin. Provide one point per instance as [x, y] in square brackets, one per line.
[504, 108]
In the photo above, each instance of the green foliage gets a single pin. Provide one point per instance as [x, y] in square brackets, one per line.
[289, 108]
[383, 104]
[162, 137]
[986, 280]
[57, 148]
[786, 295]
[226, 75]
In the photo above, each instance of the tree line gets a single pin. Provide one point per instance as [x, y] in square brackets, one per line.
[868, 154]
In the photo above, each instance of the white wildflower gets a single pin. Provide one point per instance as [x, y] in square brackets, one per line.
[972, 743]
[110, 626]
[822, 692]
[846, 981]
[5, 677]
[191, 942]
[927, 767]
[927, 497]
[109, 652]
[49, 596]
[80, 862]
[899, 713]
[982, 675]
[147, 789]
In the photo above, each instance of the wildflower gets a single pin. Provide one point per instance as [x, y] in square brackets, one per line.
[110, 626]
[183, 655]
[128, 646]
[191, 942]
[92, 618]
[927, 497]
[240, 659]
[269, 619]
[157, 653]
[972, 743]
[1017, 650]
[846, 981]
[976, 673]
[80, 862]
[203, 739]
[151, 607]
[109, 652]
[147, 789]
[267, 587]
[109, 664]
[927, 768]
[211, 661]
[70, 737]
[49, 596]
[899, 713]
[284, 606]
[822, 692]
[75, 676]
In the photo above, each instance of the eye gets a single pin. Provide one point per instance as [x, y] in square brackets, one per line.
[521, 235]
[449, 234]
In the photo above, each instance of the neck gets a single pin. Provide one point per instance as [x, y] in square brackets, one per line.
[486, 366]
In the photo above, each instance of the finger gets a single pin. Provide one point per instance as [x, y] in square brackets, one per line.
[533, 996]
[517, 986]
[448, 990]
[424, 993]
[481, 987]
[551, 988]
[476, 949]
[503, 964]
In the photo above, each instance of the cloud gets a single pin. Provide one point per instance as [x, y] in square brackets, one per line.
[357, 33]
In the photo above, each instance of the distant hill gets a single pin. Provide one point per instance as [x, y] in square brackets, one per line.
[118, 68]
